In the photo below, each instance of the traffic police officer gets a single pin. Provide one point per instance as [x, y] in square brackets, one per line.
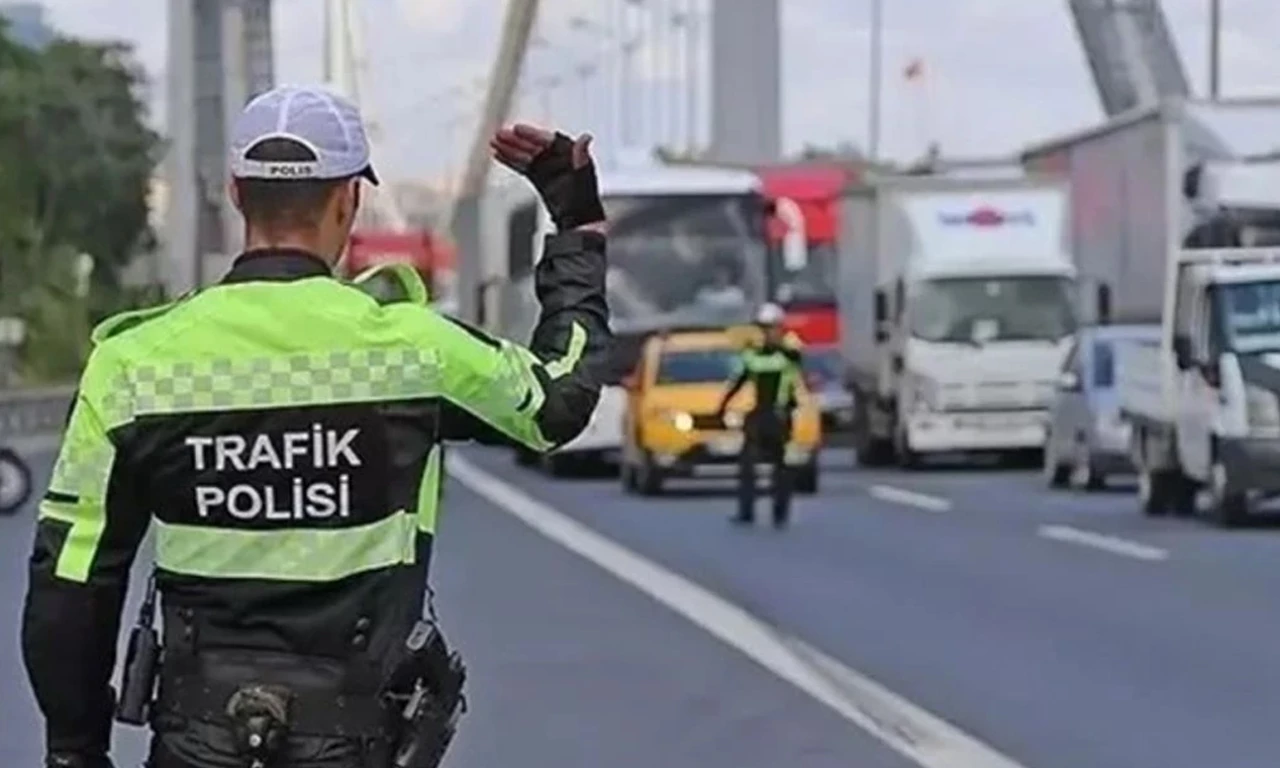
[772, 366]
[284, 429]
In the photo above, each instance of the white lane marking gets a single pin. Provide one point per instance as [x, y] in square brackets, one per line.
[910, 498]
[906, 728]
[1112, 544]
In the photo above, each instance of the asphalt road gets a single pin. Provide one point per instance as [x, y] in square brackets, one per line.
[1058, 629]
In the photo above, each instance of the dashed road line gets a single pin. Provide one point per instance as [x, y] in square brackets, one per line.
[903, 726]
[910, 498]
[1112, 544]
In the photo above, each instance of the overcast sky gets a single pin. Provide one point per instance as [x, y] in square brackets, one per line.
[998, 73]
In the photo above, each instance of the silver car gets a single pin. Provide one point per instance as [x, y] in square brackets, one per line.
[1087, 440]
[822, 369]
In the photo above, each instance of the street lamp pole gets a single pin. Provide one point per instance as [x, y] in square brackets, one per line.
[1215, 49]
[689, 23]
[874, 84]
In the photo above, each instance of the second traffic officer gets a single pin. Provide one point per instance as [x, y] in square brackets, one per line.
[773, 368]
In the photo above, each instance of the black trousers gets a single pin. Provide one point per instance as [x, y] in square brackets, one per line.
[204, 745]
[766, 434]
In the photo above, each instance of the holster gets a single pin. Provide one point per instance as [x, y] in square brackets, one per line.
[424, 692]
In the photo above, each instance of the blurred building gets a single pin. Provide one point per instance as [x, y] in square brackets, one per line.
[220, 56]
[746, 81]
[28, 23]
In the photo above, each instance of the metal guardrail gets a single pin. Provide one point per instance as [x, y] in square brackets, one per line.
[33, 412]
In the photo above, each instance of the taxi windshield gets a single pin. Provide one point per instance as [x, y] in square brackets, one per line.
[697, 366]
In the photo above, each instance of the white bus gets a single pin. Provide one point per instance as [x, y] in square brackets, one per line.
[687, 248]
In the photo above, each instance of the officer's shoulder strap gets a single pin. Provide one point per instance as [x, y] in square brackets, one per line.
[393, 284]
[127, 321]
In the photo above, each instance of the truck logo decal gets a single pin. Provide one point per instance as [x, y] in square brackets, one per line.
[987, 216]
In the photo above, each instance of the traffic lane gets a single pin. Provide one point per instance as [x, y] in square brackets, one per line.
[21, 728]
[989, 495]
[1057, 655]
[567, 666]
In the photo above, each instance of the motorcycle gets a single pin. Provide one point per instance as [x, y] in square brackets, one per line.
[15, 482]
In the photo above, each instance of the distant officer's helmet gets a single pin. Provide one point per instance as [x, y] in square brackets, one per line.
[769, 314]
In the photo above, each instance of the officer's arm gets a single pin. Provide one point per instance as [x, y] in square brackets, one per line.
[87, 532]
[541, 396]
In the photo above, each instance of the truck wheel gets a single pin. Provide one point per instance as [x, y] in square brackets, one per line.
[873, 452]
[1230, 508]
[870, 450]
[1055, 472]
[15, 482]
[1153, 492]
[907, 458]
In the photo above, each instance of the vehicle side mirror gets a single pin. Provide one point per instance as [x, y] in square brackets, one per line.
[1069, 381]
[1182, 352]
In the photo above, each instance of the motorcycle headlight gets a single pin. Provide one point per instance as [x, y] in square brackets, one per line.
[1262, 409]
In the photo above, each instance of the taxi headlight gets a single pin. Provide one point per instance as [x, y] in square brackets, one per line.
[680, 420]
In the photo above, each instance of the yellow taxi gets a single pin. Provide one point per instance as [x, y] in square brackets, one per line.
[671, 428]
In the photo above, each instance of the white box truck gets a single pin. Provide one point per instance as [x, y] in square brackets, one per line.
[1178, 210]
[956, 302]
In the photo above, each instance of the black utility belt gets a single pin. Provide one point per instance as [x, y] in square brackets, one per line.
[311, 712]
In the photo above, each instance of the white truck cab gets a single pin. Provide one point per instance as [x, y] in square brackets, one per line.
[957, 308]
[984, 385]
[1205, 402]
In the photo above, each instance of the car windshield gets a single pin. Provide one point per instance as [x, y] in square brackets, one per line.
[1250, 314]
[812, 284]
[984, 309]
[698, 366]
[822, 365]
[685, 259]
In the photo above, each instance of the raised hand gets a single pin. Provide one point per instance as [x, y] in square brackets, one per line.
[560, 168]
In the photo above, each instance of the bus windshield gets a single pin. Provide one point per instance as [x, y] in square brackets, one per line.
[685, 259]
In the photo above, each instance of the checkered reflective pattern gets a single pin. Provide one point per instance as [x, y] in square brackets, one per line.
[358, 375]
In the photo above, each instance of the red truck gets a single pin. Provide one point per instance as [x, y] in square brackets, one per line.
[803, 236]
[430, 254]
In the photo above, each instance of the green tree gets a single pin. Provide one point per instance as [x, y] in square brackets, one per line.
[76, 159]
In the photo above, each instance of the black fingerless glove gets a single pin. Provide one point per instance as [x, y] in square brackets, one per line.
[572, 195]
